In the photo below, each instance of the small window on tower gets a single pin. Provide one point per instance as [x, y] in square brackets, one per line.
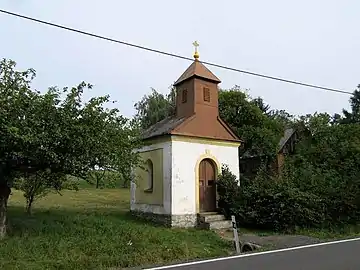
[206, 94]
[184, 95]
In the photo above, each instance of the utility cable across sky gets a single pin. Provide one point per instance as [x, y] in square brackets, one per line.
[174, 55]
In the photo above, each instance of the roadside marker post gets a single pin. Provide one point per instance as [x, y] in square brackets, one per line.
[236, 236]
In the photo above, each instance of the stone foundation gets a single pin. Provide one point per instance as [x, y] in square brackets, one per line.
[155, 218]
[184, 221]
[180, 221]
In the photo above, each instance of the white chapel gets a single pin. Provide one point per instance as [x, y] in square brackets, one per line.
[183, 154]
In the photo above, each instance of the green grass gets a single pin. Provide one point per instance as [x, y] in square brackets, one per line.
[90, 229]
[336, 233]
[332, 234]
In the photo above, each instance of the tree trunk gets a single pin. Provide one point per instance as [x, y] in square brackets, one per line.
[125, 183]
[97, 182]
[4, 196]
[99, 178]
[29, 202]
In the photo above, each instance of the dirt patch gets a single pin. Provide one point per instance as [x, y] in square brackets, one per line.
[275, 241]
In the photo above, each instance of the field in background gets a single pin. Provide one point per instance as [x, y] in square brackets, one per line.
[90, 229]
[108, 180]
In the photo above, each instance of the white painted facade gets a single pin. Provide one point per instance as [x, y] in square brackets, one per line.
[180, 159]
[185, 156]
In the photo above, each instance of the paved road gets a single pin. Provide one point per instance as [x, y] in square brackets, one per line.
[330, 256]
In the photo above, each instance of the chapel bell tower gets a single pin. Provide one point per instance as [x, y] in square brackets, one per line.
[197, 91]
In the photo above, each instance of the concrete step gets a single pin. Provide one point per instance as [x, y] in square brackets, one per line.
[216, 225]
[211, 217]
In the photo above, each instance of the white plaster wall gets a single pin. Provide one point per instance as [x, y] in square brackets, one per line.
[165, 208]
[184, 158]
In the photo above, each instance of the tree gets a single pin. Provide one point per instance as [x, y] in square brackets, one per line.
[316, 122]
[155, 107]
[61, 136]
[261, 104]
[354, 115]
[283, 117]
[327, 164]
[260, 132]
[38, 185]
[106, 179]
[96, 177]
[319, 185]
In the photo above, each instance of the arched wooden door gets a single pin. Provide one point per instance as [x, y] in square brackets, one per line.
[207, 187]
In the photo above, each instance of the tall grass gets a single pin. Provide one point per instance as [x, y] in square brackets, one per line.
[90, 229]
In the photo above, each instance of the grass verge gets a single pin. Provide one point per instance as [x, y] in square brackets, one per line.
[337, 233]
[349, 231]
[90, 229]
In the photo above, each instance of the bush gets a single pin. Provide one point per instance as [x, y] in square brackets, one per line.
[277, 206]
[228, 190]
[339, 190]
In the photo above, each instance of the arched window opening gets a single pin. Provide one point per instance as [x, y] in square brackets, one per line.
[150, 176]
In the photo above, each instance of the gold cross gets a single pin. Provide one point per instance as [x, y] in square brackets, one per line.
[196, 45]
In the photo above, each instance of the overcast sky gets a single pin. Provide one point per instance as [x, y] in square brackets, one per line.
[314, 41]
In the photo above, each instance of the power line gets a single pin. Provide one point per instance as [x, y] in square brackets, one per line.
[174, 55]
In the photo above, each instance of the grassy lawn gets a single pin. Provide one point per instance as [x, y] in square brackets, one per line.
[90, 229]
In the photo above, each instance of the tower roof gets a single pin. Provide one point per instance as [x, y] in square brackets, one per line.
[197, 69]
[195, 116]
